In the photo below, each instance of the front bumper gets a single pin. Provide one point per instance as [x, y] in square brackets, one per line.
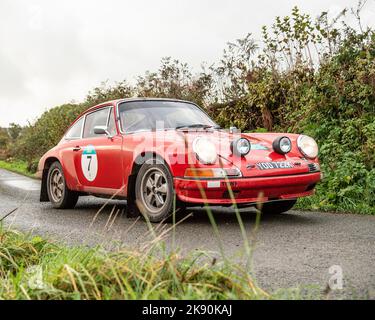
[246, 190]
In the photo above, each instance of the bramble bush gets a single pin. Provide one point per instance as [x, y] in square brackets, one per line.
[315, 79]
[311, 76]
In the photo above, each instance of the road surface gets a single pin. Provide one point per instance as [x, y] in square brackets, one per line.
[290, 250]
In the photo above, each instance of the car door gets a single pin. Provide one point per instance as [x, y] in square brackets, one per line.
[98, 157]
[71, 139]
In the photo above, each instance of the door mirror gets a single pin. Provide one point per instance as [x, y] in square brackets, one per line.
[102, 130]
[233, 129]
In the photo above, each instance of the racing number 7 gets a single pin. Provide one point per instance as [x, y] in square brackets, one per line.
[90, 158]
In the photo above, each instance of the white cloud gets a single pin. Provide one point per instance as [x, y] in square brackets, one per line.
[52, 52]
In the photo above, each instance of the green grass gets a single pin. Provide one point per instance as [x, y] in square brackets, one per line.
[318, 202]
[17, 166]
[34, 268]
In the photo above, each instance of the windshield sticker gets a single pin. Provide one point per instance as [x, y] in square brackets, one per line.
[89, 163]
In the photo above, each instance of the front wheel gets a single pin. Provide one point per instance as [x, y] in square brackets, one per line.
[278, 206]
[154, 191]
[58, 193]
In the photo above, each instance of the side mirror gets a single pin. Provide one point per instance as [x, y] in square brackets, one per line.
[233, 129]
[102, 130]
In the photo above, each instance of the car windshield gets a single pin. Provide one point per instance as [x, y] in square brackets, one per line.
[152, 115]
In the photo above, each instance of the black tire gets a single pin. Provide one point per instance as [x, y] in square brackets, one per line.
[58, 193]
[155, 195]
[278, 207]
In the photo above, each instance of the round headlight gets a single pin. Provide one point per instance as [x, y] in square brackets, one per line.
[205, 150]
[240, 147]
[307, 146]
[282, 145]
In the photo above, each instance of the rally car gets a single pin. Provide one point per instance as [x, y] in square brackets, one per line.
[165, 154]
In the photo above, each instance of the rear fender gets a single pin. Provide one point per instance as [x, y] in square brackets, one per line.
[43, 188]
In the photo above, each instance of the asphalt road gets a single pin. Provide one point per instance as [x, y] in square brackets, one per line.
[291, 250]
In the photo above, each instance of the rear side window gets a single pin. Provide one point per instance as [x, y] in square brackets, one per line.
[97, 118]
[75, 131]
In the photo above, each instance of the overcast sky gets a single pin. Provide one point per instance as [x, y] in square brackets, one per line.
[52, 52]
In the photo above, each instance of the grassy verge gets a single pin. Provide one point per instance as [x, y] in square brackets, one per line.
[34, 268]
[17, 166]
[320, 202]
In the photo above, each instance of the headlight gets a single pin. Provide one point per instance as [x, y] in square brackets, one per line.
[240, 147]
[282, 145]
[205, 150]
[307, 146]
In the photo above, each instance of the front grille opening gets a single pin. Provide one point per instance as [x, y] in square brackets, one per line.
[313, 167]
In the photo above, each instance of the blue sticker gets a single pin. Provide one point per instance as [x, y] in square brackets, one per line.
[90, 149]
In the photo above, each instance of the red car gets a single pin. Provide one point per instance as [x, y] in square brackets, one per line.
[162, 153]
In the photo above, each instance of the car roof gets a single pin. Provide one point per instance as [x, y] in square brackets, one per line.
[116, 101]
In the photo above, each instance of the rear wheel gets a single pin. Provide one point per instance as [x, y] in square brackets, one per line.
[154, 191]
[278, 206]
[58, 193]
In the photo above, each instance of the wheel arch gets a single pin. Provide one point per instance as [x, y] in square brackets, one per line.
[137, 164]
[43, 190]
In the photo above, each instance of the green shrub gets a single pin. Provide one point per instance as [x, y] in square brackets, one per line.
[333, 101]
[36, 139]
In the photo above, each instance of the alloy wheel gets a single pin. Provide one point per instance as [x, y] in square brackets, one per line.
[56, 185]
[154, 190]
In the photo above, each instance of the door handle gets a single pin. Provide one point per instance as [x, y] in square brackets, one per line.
[76, 148]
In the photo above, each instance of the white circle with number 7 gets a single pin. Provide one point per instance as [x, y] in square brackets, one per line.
[89, 163]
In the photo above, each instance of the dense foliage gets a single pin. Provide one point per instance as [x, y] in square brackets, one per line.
[315, 79]
[307, 76]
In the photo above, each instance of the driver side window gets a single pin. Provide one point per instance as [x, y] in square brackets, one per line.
[96, 118]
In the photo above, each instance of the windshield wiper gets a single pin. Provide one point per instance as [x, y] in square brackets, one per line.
[197, 125]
